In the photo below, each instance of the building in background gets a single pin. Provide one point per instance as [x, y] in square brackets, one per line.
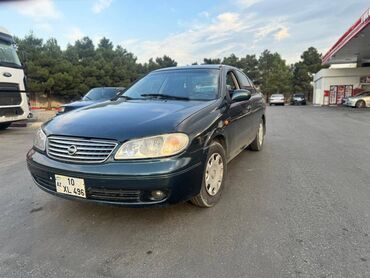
[349, 60]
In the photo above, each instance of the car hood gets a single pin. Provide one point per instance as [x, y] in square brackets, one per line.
[122, 120]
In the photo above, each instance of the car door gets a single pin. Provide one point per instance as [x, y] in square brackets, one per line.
[239, 113]
[256, 104]
[367, 99]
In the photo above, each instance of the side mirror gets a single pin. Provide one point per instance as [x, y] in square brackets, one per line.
[241, 95]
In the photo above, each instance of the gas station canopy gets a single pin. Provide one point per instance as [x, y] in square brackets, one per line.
[353, 46]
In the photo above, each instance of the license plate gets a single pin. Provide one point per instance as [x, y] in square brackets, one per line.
[70, 186]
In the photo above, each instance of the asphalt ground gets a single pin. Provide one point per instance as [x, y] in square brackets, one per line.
[299, 208]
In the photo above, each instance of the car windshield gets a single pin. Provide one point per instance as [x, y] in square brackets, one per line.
[298, 95]
[101, 94]
[189, 84]
[277, 95]
[8, 55]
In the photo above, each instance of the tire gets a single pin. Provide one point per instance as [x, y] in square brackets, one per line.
[205, 199]
[360, 104]
[4, 126]
[258, 141]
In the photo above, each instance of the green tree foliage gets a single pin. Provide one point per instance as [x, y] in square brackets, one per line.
[303, 71]
[275, 75]
[210, 61]
[160, 62]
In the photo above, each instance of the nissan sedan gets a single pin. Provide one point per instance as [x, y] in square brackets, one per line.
[166, 140]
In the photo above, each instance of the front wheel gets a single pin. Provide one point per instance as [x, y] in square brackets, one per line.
[213, 177]
[4, 126]
[257, 144]
[360, 104]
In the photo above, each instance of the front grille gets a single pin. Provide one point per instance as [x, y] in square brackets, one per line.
[114, 194]
[47, 183]
[11, 112]
[107, 194]
[79, 150]
[9, 94]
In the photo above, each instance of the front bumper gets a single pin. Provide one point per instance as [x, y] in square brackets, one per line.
[276, 101]
[124, 183]
[350, 103]
[298, 101]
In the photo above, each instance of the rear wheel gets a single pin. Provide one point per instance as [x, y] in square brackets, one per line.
[213, 177]
[360, 104]
[257, 144]
[4, 126]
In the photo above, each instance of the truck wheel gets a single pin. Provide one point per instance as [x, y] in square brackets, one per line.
[213, 177]
[4, 126]
[257, 144]
[360, 104]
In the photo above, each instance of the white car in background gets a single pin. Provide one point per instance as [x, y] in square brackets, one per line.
[361, 100]
[277, 99]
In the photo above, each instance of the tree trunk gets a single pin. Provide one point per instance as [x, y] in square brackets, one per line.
[48, 95]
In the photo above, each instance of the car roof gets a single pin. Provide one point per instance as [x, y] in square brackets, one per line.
[206, 66]
[118, 88]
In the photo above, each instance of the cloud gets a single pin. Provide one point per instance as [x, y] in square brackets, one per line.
[247, 3]
[38, 10]
[218, 36]
[101, 5]
[75, 34]
[282, 34]
[213, 39]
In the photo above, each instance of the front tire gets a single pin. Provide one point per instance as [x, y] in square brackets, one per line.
[360, 104]
[4, 126]
[257, 144]
[213, 177]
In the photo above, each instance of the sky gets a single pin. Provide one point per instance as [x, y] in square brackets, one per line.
[188, 30]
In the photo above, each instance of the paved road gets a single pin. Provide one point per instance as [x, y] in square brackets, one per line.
[299, 208]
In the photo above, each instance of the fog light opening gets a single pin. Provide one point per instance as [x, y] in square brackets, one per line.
[157, 195]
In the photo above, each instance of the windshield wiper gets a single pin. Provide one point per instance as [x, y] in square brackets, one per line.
[161, 96]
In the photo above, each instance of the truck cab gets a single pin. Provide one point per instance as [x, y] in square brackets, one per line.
[13, 98]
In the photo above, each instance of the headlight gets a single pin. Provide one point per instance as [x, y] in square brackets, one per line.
[39, 142]
[153, 147]
[62, 109]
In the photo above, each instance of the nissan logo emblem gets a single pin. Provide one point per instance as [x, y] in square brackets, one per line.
[72, 150]
[7, 74]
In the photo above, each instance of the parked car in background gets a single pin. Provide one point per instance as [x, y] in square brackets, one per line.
[167, 139]
[298, 99]
[277, 99]
[94, 96]
[361, 100]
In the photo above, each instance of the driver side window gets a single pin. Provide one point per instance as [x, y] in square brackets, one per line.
[231, 82]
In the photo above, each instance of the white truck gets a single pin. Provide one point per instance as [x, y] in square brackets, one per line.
[13, 98]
